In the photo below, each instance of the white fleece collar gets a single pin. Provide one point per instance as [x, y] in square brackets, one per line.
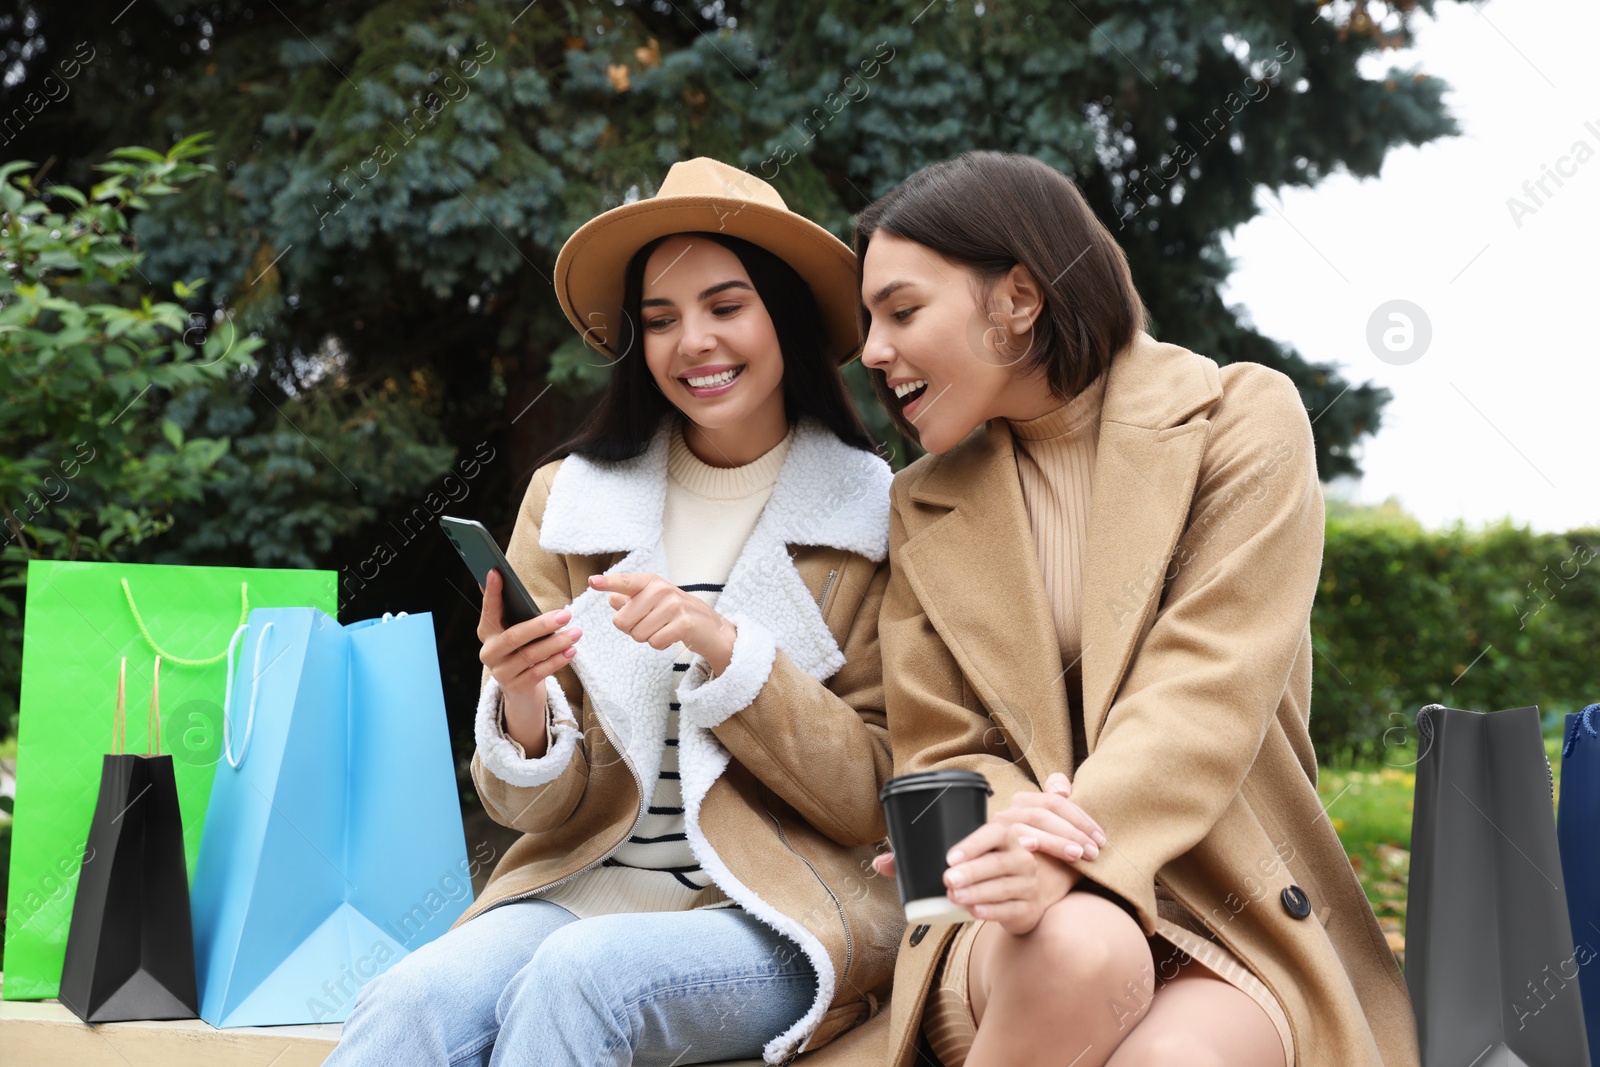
[827, 493]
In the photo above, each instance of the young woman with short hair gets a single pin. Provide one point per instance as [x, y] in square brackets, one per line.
[1100, 589]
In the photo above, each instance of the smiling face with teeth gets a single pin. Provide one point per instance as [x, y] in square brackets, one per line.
[712, 349]
[953, 355]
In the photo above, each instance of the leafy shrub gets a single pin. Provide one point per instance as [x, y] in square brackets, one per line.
[1485, 619]
[86, 356]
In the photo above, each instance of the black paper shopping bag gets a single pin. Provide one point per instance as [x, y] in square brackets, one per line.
[1489, 951]
[130, 947]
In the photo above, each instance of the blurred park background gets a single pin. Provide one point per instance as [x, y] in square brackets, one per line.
[277, 285]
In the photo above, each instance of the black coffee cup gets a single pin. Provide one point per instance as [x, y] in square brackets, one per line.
[927, 814]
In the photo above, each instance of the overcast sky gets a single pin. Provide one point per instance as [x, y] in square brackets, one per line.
[1500, 414]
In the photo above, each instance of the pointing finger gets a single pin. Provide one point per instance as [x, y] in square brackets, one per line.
[618, 583]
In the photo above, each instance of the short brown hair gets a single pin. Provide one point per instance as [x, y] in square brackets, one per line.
[990, 211]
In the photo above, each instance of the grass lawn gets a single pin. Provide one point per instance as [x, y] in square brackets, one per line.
[1370, 808]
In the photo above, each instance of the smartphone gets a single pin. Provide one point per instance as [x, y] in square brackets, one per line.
[482, 555]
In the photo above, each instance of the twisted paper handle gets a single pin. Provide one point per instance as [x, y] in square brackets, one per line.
[244, 612]
[119, 719]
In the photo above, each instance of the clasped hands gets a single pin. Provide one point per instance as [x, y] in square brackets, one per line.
[1017, 864]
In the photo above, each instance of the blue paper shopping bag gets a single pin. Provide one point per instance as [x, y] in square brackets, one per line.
[1577, 826]
[333, 842]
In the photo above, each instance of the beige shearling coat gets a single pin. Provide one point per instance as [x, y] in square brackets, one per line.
[781, 755]
[1203, 556]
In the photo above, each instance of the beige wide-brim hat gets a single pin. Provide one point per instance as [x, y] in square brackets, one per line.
[702, 194]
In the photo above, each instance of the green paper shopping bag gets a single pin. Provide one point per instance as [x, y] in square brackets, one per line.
[82, 618]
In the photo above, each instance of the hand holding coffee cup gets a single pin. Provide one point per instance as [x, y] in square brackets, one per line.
[928, 813]
[995, 878]
[1006, 867]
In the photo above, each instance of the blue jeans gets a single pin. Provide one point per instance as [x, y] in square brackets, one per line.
[528, 984]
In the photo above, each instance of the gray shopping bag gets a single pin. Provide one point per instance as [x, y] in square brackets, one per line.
[1490, 961]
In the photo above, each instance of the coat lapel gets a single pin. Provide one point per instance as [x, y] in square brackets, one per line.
[1143, 484]
[827, 493]
[976, 575]
[975, 569]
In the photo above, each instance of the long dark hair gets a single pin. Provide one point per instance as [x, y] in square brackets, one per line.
[633, 405]
[990, 211]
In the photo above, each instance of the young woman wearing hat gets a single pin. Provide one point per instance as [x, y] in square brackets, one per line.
[691, 738]
[1101, 585]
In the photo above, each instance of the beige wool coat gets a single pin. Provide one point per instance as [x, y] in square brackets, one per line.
[1203, 556]
[781, 755]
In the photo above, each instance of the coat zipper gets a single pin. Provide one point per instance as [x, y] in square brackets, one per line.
[822, 601]
[849, 944]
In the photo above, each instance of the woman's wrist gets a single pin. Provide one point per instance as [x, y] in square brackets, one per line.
[1058, 878]
[527, 726]
[720, 654]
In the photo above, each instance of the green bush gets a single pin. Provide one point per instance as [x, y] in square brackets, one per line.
[88, 359]
[1485, 619]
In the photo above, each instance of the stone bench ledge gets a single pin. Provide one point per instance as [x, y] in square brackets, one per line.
[43, 1033]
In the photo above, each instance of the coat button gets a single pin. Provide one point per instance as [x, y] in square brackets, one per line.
[1295, 902]
[918, 934]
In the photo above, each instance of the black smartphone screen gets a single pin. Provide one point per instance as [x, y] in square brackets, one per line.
[481, 554]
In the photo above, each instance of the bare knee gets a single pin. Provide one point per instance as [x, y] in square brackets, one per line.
[1082, 943]
[1163, 1047]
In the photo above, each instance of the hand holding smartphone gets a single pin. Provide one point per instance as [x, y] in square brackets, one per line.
[521, 645]
[482, 554]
